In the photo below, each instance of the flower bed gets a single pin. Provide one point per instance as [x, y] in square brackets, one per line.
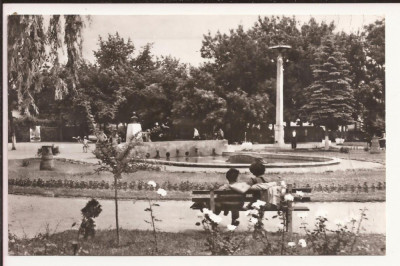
[182, 186]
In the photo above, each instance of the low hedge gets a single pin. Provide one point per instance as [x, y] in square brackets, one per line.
[181, 186]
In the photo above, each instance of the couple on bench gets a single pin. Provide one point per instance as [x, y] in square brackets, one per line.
[266, 189]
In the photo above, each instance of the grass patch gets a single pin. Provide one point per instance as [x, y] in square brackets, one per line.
[77, 172]
[139, 243]
[84, 172]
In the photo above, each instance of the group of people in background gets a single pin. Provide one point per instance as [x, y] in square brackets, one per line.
[115, 139]
[218, 134]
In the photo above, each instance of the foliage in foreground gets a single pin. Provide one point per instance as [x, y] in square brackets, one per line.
[139, 243]
[89, 212]
[342, 240]
[118, 160]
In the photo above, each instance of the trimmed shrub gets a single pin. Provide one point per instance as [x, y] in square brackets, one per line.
[25, 162]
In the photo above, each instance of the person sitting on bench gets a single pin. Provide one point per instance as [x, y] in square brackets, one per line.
[265, 188]
[258, 170]
[232, 177]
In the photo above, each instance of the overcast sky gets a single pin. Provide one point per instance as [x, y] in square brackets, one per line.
[181, 36]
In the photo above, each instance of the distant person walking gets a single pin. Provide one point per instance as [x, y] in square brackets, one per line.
[221, 133]
[294, 140]
[85, 144]
[196, 134]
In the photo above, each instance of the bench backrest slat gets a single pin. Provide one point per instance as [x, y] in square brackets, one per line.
[230, 192]
[234, 198]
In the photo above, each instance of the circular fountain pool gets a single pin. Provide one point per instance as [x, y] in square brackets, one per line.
[271, 160]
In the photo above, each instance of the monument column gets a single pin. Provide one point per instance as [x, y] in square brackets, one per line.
[278, 128]
[279, 131]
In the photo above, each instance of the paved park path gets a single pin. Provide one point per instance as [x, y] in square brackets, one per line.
[58, 214]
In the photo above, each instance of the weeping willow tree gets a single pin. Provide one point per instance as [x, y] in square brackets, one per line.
[28, 58]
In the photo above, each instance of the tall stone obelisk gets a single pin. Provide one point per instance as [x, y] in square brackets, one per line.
[279, 130]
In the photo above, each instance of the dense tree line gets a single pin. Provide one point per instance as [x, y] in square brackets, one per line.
[331, 79]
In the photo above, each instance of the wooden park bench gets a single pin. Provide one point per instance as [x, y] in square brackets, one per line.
[209, 198]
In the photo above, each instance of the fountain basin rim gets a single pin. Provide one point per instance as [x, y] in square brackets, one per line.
[282, 155]
[332, 161]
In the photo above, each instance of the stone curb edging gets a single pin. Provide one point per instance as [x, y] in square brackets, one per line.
[326, 161]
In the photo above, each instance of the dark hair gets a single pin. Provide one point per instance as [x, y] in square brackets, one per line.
[257, 168]
[232, 175]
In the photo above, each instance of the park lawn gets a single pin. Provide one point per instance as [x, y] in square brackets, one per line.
[79, 172]
[85, 172]
[140, 243]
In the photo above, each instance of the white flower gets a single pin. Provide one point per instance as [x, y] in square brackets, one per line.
[258, 204]
[162, 192]
[302, 243]
[255, 205]
[321, 213]
[302, 215]
[289, 197]
[261, 203]
[215, 218]
[231, 227]
[300, 193]
[207, 211]
[283, 184]
[253, 220]
[291, 244]
[152, 183]
[251, 212]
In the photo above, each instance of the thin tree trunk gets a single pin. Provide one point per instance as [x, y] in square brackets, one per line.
[116, 207]
[60, 132]
[13, 141]
[12, 129]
